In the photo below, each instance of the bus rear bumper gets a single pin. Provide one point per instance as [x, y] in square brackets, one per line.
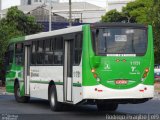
[102, 92]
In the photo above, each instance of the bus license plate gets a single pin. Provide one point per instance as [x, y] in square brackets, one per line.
[121, 82]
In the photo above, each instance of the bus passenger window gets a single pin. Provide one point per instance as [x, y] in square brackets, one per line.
[33, 54]
[19, 54]
[9, 55]
[48, 59]
[58, 51]
[78, 49]
[40, 52]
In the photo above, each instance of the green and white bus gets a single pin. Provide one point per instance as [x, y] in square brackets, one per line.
[104, 64]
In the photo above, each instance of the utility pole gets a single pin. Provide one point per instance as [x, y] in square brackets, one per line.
[70, 13]
[50, 16]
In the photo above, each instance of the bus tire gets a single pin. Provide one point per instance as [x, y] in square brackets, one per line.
[18, 97]
[54, 104]
[102, 106]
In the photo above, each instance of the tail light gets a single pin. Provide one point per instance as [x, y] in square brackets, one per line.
[146, 72]
[95, 75]
[93, 70]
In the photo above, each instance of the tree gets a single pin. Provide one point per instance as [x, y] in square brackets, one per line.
[133, 12]
[24, 23]
[15, 24]
[137, 11]
[112, 16]
[154, 19]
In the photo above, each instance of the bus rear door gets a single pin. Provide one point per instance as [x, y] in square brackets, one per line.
[68, 67]
[27, 70]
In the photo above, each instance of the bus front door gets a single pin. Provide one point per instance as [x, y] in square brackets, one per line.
[27, 69]
[68, 66]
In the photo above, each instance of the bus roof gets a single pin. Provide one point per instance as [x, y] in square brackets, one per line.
[118, 24]
[74, 29]
[48, 34]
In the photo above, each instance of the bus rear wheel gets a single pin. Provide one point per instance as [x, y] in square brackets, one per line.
[54, 104]
[18, 97]
[102, 106]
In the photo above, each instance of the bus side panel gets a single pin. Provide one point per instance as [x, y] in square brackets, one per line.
[10, 77]
[40, 78]
[15, 72]
[88, 78]
[150, 78]
[77, 84]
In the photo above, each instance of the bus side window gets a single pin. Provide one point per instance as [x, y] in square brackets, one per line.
[33, 53]
[58, 50]
[19, 54]
[9, 55]
[77, 48]
[48, 58]
[94, 41]
[40, 52]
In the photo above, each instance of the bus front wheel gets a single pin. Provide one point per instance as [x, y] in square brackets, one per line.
[102, 106]
[54, 104]
[18, 97]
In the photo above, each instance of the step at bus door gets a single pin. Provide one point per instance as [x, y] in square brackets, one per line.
[68, 66]
[27, 70]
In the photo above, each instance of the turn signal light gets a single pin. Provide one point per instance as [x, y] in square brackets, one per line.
[144, 75]
[147, 70]
[95, 75]
[93, 70]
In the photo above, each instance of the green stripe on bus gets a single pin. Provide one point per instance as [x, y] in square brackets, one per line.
[43, 82]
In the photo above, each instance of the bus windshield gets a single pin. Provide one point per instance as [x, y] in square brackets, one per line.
[119, 41]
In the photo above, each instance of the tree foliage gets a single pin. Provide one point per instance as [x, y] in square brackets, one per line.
[154, 19]
[112, 16]
[143, 12]
[137, 11]
[15, 24]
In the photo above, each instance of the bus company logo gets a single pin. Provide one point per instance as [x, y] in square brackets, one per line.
[107, 67]
[134, 70]
[34, 74]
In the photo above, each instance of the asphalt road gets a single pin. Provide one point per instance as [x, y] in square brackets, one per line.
[38, 109]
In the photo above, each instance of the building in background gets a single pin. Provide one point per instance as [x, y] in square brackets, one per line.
[33, 2]
[116, 4]
[82, 12]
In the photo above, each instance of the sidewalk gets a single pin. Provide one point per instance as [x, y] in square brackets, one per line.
[157, 87]
[2, 90]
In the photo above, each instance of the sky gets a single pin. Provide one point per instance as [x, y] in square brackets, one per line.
[9, 3]
[101, 3]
